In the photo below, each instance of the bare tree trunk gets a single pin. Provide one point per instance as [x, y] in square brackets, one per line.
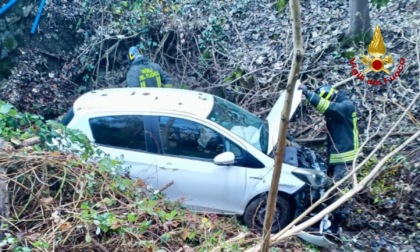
[4, 194]
[4, 202]
[281, 144]
[360, 27]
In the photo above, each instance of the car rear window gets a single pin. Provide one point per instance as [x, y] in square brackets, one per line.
[126, 131]
[67, 117]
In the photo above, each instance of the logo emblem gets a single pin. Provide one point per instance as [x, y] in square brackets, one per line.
[377, 49]
[376, 61]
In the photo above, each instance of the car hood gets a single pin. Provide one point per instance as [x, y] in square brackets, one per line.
[274, 117]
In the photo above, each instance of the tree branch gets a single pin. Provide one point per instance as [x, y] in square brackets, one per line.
[346, 196]
[344, 82]
[291, 83]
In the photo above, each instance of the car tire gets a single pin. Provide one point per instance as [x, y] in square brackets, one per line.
[255, 213]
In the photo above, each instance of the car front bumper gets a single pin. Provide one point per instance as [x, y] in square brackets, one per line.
[318, 240]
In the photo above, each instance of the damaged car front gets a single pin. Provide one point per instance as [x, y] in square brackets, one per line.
[303, 179]
[311, 169]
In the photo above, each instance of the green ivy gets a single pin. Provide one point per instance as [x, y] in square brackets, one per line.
[280, 5]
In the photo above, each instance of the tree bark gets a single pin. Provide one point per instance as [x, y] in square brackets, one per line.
[359, 19]
[4, 194]
[281, 144]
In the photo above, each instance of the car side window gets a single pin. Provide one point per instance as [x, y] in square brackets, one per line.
[125, 131]
[183, 137]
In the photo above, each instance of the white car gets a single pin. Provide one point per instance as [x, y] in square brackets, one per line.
[218, 155]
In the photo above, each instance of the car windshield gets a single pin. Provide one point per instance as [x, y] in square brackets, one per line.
[241, 122]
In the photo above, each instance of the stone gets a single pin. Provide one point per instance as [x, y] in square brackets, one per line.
[3, 25]
[4, 53]
[12, 18]
[9, 43]
[27, 9]
[16, 29]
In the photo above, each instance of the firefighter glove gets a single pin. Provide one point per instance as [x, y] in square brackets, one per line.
[303, 88]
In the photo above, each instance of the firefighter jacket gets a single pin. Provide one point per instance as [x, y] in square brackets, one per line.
[143, 73]
[343, 136]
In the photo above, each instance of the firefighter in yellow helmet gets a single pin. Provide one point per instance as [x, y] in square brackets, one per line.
[343, 137]
[144, 73]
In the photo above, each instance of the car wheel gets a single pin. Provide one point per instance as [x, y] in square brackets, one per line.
[255, 213]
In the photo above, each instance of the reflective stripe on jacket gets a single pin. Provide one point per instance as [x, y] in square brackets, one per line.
[341, 117]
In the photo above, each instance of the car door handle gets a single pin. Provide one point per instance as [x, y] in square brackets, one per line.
[166, 168]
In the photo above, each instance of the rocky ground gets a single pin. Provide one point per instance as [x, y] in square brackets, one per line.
[242, 51]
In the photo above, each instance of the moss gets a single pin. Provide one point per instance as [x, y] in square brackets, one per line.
[358, 41]
[380, 3]
[280, 5]
[238, 72]
[206, 55]
[9, 43]
[5, 66]
[348, 54]
[245, 82]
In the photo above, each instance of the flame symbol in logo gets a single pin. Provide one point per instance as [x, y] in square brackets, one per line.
[377, 49]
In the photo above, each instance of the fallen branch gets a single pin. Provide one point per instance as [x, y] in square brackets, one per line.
[166, 186]
[161, 44]
[231, 241]
[343, 82]
[293, 230]
[100, 246]
[31, 141]
[230, 83]
[52, 55]
[6, 146]
[399, 133]
[48, 191]
[310, 126]
[312, 140]
[348, 195]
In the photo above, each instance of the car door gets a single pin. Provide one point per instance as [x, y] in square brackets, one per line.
[126, 136]
[188, 148]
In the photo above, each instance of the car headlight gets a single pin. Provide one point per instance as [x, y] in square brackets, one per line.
[311, 177]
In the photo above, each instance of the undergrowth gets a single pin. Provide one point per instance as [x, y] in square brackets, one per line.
[78, 200]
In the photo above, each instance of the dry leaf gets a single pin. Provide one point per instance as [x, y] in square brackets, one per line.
[116, 225]
[56, 217]
[140, 183]
[32, 236]
[65, 226]
[185, 234]
[187, 248]
[46, 201]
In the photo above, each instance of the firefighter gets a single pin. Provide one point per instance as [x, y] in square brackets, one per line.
[343, 137]
[143, 73]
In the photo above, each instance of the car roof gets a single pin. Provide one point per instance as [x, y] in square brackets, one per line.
[139, 99]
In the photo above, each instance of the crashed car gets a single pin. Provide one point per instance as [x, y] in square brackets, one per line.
[216, 156]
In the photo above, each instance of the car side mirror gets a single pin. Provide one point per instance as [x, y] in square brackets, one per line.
[225, 158]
